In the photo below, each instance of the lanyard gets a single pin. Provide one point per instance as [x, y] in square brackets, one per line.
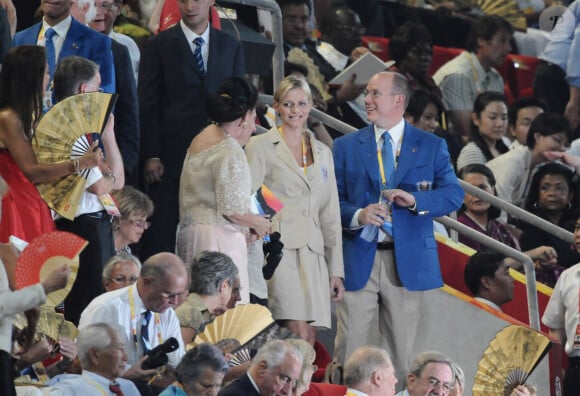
[304, 153]
[96, 385]
[134, 320]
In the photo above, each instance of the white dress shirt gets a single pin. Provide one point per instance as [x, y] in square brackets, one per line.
[114, 308]
[90, 384]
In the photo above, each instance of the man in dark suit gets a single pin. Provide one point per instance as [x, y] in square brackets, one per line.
[172, 91]
[126, 109]
[393, 269]
[71, 38]
[274, 370]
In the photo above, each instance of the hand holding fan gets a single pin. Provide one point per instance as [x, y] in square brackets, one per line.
[44, 255]
[509, 360]
[66, 133]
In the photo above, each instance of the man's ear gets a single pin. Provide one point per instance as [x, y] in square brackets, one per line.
[225, 284]
[486, 282]
[94, 357]
[411, 381]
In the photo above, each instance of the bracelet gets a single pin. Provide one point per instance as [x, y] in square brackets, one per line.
[75, 166]
[111, 175]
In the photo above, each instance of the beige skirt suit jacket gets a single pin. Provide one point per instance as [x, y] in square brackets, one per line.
[309, 225]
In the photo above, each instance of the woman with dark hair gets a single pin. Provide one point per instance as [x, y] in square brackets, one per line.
[425, 110]
[553, 197]
[481, 216]
[411, 47]
[488, 127]
[23, 81]
[215, 185]
[549, 132]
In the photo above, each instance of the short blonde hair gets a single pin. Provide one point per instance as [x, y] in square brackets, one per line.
[289, 83]
[131, 200]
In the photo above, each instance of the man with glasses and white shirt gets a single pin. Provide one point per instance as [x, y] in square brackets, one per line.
[145, 313]
[431, 373]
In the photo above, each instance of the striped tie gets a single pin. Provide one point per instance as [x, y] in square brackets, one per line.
[197, 54]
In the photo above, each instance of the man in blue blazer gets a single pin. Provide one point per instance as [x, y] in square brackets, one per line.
[391, 271]
[71, 38]
[172, 92]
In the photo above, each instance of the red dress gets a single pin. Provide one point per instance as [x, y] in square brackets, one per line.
[24, 213]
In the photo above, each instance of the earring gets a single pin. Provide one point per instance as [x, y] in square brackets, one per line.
[244, 125]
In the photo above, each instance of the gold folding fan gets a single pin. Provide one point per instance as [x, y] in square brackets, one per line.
[65, 133]
[509, 360]
[242, 323]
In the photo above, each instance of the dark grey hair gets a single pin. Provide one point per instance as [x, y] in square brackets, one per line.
[197, 360]
[209, 270]
[424, 358]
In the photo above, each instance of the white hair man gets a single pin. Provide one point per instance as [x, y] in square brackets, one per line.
[101, 350]
[369, 371]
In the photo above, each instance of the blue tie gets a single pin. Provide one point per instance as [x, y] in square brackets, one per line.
[50, 51]
[145, 331]
[388, 161]
[197, 54]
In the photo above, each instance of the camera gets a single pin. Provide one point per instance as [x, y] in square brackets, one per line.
[157, 357]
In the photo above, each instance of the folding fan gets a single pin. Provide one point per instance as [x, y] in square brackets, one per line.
[509, 360]
[242, 323]
[45, 254]
[264, 202]
[507, 9]
[65, 133]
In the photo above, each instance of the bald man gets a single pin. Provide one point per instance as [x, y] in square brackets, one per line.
[144, 311]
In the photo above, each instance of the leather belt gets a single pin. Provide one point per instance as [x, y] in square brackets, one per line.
[102, 215]
[385, 245]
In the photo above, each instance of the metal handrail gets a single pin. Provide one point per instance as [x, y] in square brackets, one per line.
[531, 290]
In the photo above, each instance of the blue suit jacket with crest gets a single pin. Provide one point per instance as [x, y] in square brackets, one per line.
[423, 157]
[81, 41]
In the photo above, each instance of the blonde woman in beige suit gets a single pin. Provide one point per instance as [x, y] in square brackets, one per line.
[300, 172]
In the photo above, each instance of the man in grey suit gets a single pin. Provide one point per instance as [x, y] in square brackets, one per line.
[274, 371]
[173, 84]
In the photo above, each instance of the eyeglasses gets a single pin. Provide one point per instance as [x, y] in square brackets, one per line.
[105, 6]
[289, 105]
[123, 280]
[140, 223]
[377, 94]
[284, 380]
[436, 383]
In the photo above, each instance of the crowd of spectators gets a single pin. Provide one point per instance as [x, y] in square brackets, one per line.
[181, 167]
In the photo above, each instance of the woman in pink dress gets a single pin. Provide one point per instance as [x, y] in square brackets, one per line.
[215, 185]
[23, 81]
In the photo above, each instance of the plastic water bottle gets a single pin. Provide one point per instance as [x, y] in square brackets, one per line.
[369, 233]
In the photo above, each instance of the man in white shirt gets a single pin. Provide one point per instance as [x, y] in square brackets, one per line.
[101, 350]
[369, 372]
[144, 311]
[488, 278]
[562, 316]
[431, 373]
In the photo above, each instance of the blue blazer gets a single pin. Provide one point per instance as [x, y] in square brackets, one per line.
[81, 41]
[423, 156]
